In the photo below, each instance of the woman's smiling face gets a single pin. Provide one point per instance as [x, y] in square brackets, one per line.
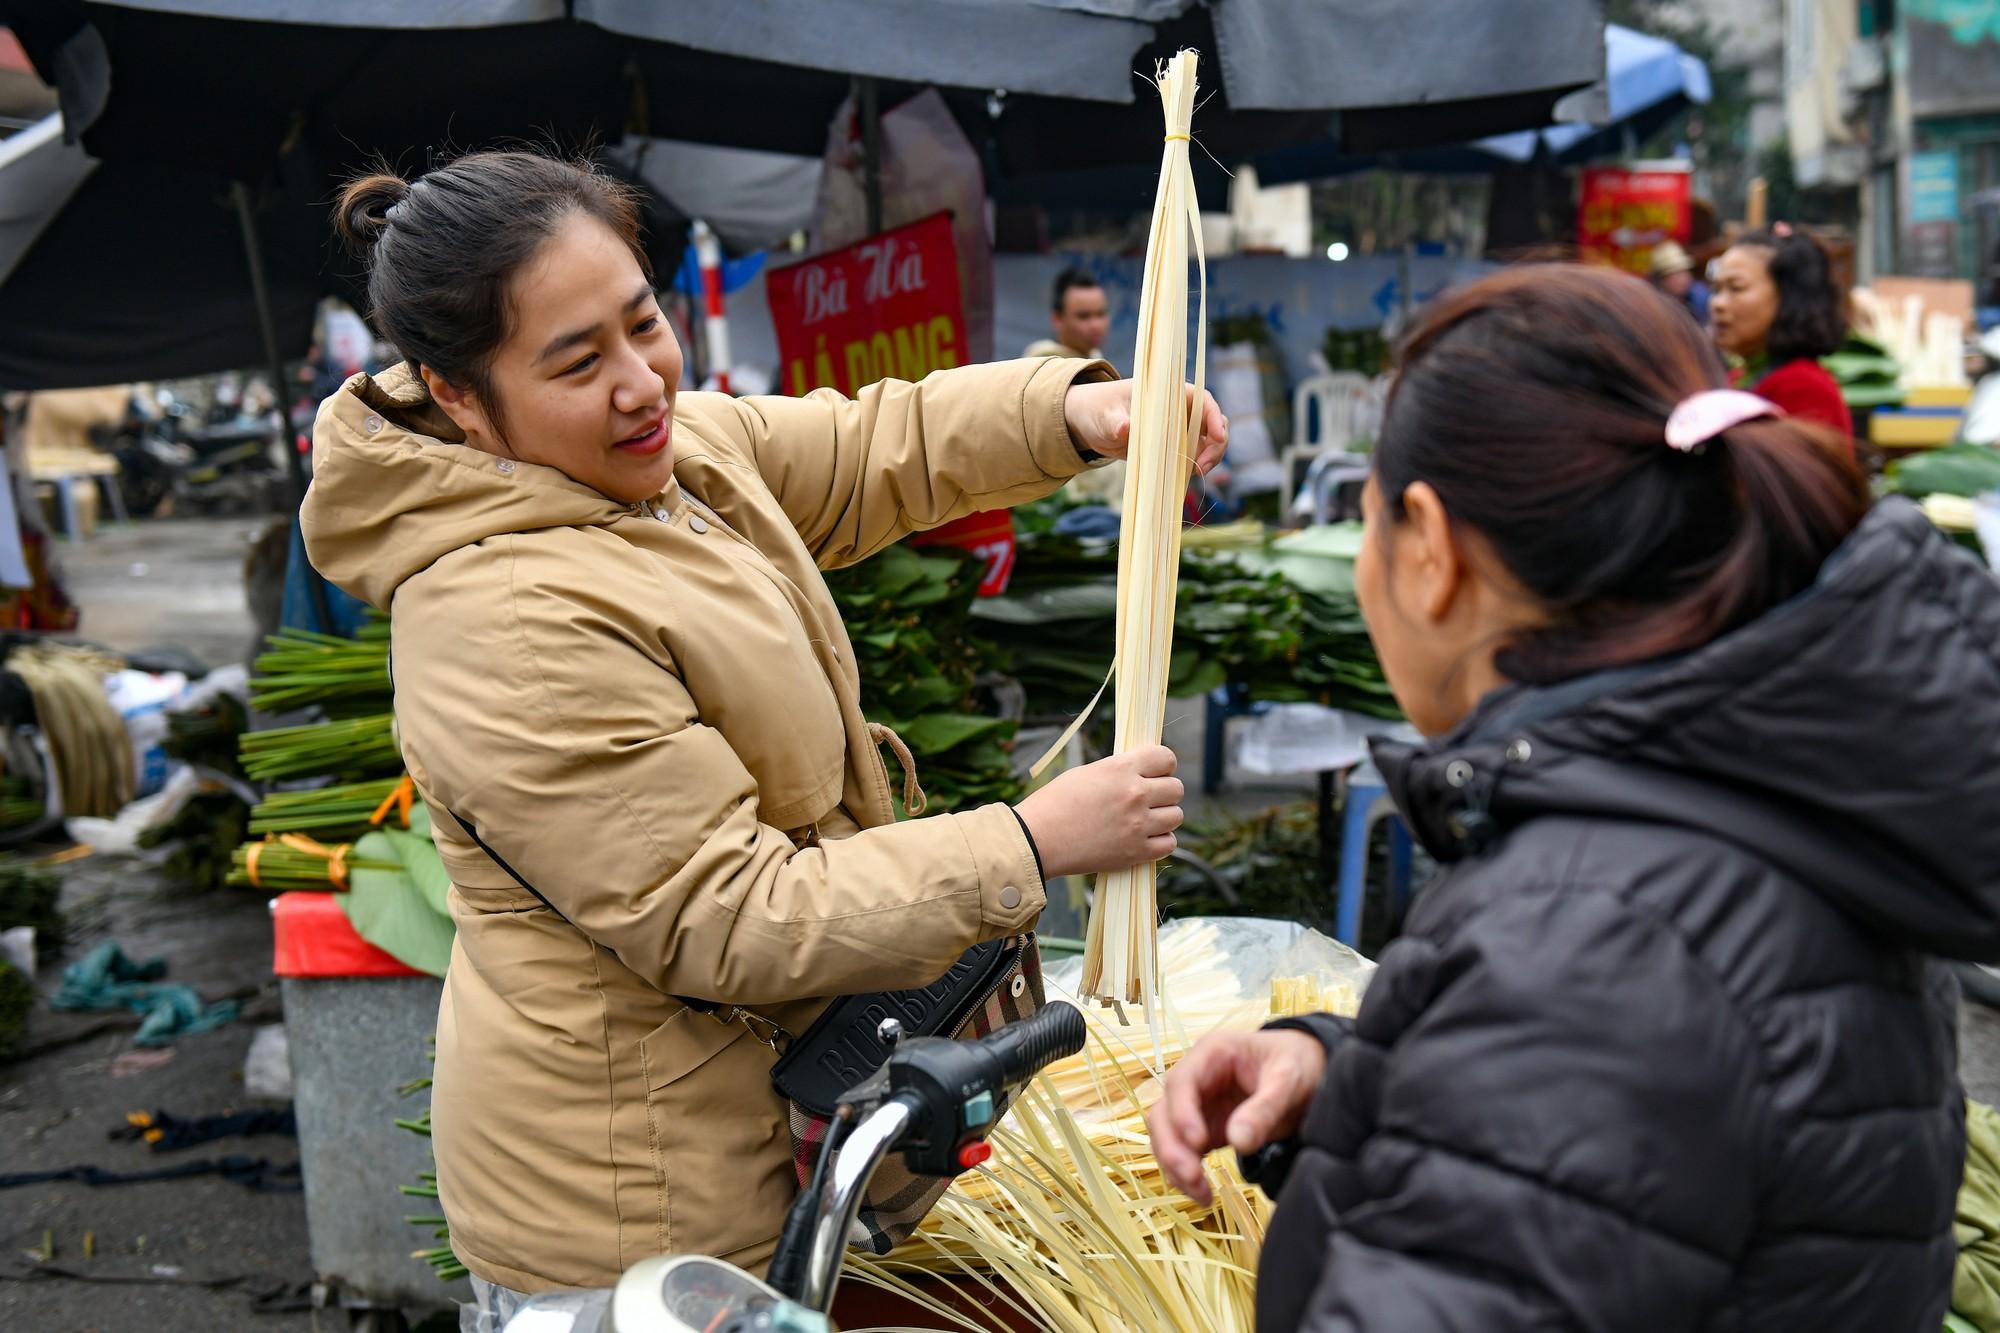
[585, 380]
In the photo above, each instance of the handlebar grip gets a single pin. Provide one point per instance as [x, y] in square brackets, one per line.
[1049, 1034]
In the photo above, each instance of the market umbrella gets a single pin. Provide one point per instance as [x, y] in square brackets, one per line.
[1280, 69]
[138, 267]
[769, 75]
[39, 172]
[1647, 81]
[268, 102]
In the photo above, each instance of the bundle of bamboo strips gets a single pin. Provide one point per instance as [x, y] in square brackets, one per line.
[1305, 995]
[1120, 951]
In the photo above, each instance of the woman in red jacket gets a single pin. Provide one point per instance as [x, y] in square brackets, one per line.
[1775, 306]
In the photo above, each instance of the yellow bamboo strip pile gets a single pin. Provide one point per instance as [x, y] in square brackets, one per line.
[1070, 1225]
[1120, 948]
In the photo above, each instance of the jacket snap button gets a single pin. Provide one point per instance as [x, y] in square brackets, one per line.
[371, 423]
[1010, 897]
[1019, 987]
[505, 466]
[1458, 773]
[663, 515]
[1520, 751]
[696, 523]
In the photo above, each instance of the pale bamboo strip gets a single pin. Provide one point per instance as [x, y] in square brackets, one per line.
[1121, 959]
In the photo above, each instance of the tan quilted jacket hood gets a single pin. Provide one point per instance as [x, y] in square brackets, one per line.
[649, 713]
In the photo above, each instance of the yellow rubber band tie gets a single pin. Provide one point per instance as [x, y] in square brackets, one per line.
[401, 800]
[335, 857]
[1184, 138]
[250, 862]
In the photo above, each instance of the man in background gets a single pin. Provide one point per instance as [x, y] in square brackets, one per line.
[1079, 316]
[1672, 271]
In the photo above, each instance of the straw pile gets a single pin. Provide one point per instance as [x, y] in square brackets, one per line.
[96, 770]
[1070, 1226]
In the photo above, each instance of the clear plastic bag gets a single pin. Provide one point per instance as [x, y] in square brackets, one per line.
[1219, 972]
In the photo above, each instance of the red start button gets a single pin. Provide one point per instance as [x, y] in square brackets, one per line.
[973, 1153]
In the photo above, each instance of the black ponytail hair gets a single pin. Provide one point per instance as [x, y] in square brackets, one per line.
[1535, 403]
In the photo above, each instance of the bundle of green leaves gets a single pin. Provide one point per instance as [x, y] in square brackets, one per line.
[208, 737]
[908, 615]
[342, 677]
[20, 804]
[203, 837]
[28, 898]
[17, 997]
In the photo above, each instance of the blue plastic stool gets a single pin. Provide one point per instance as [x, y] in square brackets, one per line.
[1224, 702]
[1368, 801]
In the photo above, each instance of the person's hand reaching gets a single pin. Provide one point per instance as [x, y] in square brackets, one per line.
[1242, 1089]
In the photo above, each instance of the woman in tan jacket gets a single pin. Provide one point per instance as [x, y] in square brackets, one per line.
[627, 696]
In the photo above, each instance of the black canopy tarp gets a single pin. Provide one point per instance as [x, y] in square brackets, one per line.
[181, 98]
[768, 73]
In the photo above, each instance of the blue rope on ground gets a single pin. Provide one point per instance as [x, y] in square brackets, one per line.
[107, 979]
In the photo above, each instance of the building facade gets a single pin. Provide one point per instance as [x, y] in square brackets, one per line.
[1898, 103]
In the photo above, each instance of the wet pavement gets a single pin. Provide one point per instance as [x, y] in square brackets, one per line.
[127, 1257]
[130, 1258]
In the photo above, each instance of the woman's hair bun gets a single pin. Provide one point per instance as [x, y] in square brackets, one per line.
[361, 214]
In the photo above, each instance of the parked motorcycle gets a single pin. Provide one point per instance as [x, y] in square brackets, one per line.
[212, 462]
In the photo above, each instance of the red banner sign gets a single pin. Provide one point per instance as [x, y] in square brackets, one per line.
[1624, 212]
[885, 308]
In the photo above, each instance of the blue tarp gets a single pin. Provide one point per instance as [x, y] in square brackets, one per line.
[1647, 80]
[1645, 77]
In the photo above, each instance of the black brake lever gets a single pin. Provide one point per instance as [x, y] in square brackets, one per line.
[1269, 1167]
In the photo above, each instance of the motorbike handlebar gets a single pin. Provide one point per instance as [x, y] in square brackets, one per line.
[1024, 1049]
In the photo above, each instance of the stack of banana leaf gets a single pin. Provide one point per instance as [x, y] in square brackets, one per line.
[908, 614]
[1240, 618]
[1948, 482]
[1965, 470]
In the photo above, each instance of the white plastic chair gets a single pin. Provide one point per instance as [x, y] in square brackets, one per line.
[1319, 499]
[1334, 401]
[1374, 401]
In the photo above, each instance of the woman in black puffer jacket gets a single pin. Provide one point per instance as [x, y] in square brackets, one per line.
[1716, 777]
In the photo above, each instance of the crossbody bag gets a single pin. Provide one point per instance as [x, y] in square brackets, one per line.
[991, 985]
